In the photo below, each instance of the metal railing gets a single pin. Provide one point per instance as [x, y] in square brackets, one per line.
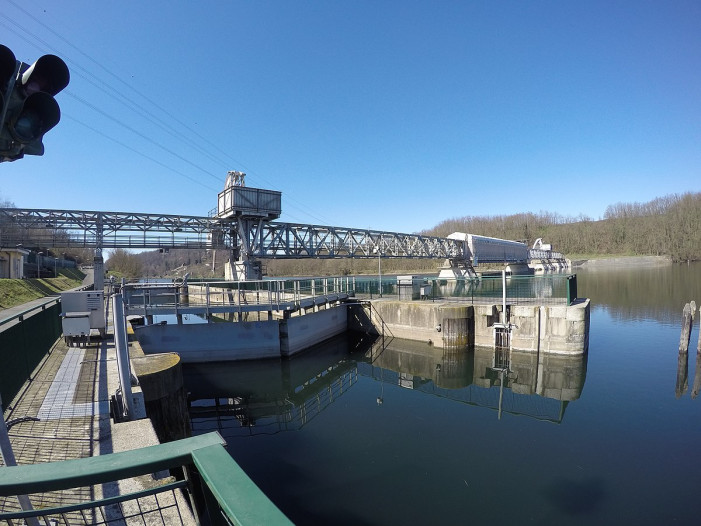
[535, 253]
[281, 295]
[229, 495]
[25, 338]
[232, 296]
[545, 289]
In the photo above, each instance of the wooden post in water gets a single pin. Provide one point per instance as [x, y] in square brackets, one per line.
[698, 343]
[687, 319]
[683, 359]
[682, 373]
[697, 376]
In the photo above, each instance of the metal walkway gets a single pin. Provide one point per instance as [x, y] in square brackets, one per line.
[264, 239]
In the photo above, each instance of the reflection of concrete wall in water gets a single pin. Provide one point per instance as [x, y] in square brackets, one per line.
[547, 375]
[451, 369]
[538, 385]
[272, 396]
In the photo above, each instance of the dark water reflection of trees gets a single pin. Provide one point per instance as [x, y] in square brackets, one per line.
[634, 293]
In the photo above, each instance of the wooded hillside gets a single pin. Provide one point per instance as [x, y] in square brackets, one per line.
[669, 226]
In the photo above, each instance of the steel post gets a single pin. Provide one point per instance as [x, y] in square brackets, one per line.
[122, 347]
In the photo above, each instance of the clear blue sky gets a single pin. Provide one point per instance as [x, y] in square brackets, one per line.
[388, 115]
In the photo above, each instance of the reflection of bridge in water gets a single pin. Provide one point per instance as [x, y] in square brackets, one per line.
[269, 396]
[266, 397]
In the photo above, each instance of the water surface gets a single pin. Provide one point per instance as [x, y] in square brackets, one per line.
[345, 434]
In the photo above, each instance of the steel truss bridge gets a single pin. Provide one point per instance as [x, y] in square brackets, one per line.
[258, 239]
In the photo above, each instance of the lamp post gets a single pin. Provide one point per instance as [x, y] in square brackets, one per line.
[379, 268]
[39, 254]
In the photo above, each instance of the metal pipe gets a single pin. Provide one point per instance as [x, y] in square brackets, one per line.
[122, 347]
[503, 295]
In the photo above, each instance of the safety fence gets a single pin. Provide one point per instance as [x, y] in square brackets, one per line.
[229, 296]
[25, 339]
[294, 293]
[213, 489]
[544, 289]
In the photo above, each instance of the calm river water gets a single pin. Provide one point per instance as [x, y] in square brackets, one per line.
[419, 437]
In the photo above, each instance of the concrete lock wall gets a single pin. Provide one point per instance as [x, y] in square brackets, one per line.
[556, 329]
[212, 341]
[566, 329]
[300, 332]
[208, 342]
[440, 324]
[161, 380]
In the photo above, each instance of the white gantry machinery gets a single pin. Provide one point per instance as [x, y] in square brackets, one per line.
[247, 220]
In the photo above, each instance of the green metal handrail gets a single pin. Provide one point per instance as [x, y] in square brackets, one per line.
[224, 482]
[41, 306]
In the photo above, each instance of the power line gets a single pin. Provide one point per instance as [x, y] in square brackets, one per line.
[143, 136]
[117, 141]
[140, 110]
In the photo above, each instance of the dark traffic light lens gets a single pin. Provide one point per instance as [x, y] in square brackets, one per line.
[39, 114]
[28, 125]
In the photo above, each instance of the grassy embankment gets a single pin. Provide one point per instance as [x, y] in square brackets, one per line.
[17, 291]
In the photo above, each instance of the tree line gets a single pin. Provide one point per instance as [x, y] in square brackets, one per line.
[666, 226]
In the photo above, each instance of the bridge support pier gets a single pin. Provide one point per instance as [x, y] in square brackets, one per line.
[457, 269]
[242, 270]
[99, 270]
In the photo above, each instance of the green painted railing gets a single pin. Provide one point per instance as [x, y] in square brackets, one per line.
[24, 344]
[231, 496]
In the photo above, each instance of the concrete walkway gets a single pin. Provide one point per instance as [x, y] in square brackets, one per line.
[62, 413]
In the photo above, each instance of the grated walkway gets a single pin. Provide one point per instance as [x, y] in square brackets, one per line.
[62, 413]
[55, 418]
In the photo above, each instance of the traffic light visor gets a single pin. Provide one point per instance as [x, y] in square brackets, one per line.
[48, 74]
[7, 70]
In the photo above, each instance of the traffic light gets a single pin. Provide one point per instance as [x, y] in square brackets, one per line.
[29, 109]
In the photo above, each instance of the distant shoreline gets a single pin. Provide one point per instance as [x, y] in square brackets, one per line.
[622, 261]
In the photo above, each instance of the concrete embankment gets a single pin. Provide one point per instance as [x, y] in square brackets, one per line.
[620, 262]
[449, 325]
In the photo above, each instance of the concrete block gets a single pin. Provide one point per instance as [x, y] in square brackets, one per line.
[304, 331]
[213, 341]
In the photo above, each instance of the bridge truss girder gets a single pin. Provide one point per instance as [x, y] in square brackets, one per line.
[257, 239]
[289, 240]
[89, 229]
